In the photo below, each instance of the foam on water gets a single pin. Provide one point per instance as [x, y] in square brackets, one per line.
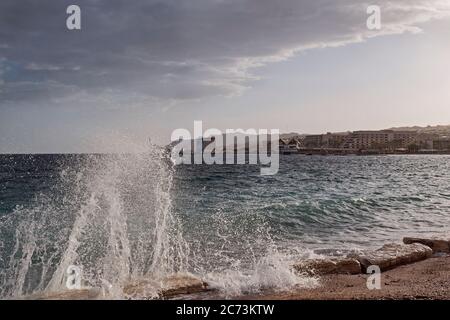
[271, 272]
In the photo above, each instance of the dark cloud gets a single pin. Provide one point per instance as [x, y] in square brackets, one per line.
[172, 50]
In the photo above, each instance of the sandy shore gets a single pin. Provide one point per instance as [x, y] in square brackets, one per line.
[428, 279]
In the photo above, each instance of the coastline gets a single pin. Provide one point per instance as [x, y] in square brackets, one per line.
[426, 279]
[406, 274]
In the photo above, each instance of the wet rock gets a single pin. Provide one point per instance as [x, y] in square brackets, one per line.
[334, 253]
[329, 266]
[437, 245]
[170, 286]
[393, 255]
[167, 287]
[75, 294]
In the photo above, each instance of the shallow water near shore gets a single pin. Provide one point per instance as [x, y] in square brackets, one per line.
[125, 217]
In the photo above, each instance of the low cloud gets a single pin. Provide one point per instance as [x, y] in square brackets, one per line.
[151, 52]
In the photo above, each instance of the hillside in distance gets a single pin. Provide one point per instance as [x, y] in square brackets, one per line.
[441, 130]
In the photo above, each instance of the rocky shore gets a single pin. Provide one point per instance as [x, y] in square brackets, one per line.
[417, 269]
[424, 280]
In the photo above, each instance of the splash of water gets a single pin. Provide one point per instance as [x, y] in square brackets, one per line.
[236, 254]
[110, 215]
[272, 271]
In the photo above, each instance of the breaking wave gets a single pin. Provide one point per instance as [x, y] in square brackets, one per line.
[113, 216]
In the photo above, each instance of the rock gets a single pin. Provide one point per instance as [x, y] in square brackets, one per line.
[334, 253]
[393, 255]
[437, 245]
[167, 287]
[76, 294]
[329, 266]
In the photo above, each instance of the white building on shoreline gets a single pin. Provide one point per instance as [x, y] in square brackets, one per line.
[362, 140]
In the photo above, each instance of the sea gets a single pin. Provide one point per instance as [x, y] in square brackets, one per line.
[120, 217]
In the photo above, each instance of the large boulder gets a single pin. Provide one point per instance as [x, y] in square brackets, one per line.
[170, 286]
[75, 294]
[329, 266]
[437, 245]
[393, 255]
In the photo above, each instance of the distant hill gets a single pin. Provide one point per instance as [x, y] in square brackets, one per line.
[442, 130]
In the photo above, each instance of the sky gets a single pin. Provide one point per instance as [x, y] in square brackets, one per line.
[140, 69]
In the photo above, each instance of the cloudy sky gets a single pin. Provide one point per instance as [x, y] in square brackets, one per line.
[140, 69]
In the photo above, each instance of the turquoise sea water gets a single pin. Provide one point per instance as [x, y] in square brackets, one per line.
[131, 216]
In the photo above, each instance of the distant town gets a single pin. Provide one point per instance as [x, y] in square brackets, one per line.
[407, 140]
